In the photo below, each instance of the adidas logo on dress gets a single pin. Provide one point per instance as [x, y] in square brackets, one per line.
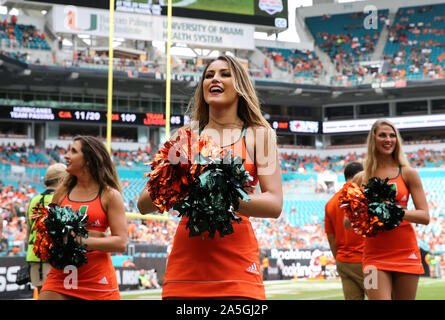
[412, 256]
[253, 269]
[103, 281]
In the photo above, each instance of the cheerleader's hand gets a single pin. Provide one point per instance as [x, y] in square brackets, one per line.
[347, 223]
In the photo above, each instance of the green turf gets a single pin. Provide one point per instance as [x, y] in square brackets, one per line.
[429, 289]
[230, 6]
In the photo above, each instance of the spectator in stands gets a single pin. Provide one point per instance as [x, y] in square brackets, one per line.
[92, 185]
[38, 268]
[393, 257]
[228, 266]
[346, 245]
[128, 263]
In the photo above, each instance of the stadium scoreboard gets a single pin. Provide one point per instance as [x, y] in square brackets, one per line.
[99, 117]
[26, 113]
[264, 13]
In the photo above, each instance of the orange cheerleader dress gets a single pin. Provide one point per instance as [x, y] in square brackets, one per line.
[397, 249]
[229, 266]
[95, 280]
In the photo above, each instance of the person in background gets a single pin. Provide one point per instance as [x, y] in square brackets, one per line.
[38, 268]
[265, 266]
[143, 280]
[346, 246]
[391, 259]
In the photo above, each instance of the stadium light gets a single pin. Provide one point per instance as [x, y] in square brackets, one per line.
[336, 94]
[297, 91]
[74, 76]
[14, 12]
[378, 90]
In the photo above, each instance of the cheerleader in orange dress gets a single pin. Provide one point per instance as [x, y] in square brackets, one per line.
[226, 108]
[392, 259]
[92, 186]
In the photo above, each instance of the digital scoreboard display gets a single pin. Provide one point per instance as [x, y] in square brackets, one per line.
[267, 13]
[272, 13]
[295, 126]
[87, 116]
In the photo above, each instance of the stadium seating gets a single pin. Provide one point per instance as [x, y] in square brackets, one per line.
[346, 41]
[304, 66]
[13, 35]
[414, 50]
[415, 47]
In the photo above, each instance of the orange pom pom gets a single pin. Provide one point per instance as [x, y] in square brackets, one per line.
[175, 166]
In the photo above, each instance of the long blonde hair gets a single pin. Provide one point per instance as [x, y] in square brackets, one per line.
[371, 158]
[249, 109]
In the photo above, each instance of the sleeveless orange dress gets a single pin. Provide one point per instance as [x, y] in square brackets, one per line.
[396, 249]
[201, 267]
[95, 280]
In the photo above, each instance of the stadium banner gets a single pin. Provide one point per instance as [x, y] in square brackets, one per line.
[8, 274]
[193, 32]
[299, 263]
[413, 122]
[127, 278]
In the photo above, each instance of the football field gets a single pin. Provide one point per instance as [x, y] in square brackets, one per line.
[429, 289]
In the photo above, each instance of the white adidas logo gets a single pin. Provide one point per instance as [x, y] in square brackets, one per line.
[96, 223]
[412, 256]
[103, 280]
[253, 269]
[404, 198]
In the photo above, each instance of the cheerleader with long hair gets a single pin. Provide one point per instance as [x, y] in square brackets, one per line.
[225, 107]
[92, 186]
[391, 260]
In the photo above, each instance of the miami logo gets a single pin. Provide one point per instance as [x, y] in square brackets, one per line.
[271, 6]
[83, 209]
[71, 20]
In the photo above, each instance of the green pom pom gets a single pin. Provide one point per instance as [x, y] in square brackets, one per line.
[381, 196]
[215, 196]
[64, 225]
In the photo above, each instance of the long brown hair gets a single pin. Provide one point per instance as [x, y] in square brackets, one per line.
[371, 158]
[99, 164]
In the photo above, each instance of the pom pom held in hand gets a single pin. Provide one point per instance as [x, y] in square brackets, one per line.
[57, 229]
[371, 209]
[174, 167]
[214, 196]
